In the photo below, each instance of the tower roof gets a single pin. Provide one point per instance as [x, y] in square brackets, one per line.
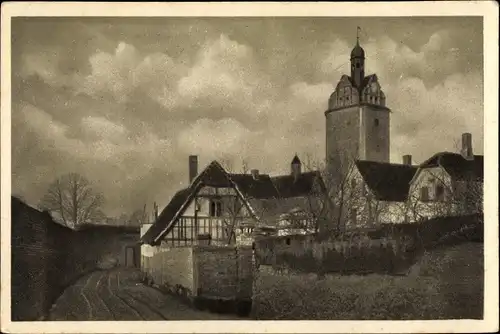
[295, 160]
[358, 51]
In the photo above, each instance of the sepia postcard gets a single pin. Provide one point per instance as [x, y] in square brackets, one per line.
[249, 167]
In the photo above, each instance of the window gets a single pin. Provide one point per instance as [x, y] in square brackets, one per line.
[354, 216]
[424, 194]
[376, 122]
[353, 183]
[439, 192]
[215, 208]
[357, 65]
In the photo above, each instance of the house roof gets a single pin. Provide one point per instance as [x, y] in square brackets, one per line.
[457, 166]
[288, 186]
[295, 160]
[388, 182]
[260, 188]
[248, 187]
[167, 214]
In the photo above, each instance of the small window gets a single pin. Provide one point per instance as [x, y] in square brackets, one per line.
[354, 216]
[376, 122]
[215, 208]
[353, 183]
[424, 194]
[357, 65]
[439, 192]
[288, 241]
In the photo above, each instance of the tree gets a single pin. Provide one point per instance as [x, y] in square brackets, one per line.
[72, 198]
[139, 217]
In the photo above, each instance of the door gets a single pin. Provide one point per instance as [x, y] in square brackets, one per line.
[130, 256]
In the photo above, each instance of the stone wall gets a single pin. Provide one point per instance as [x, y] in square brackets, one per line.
[213, 277]
[171, 268]
[47, 257]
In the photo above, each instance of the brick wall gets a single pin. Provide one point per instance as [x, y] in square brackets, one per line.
[47, 257]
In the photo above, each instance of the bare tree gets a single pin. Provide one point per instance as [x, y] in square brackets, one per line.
[74, 200]
[138, 217]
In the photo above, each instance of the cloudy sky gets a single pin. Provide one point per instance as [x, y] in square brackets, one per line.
[124, 101]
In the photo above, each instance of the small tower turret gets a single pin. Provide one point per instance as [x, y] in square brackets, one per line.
[358, 63]
[296, 167]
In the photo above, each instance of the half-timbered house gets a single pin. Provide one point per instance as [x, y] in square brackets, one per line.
[222, 208]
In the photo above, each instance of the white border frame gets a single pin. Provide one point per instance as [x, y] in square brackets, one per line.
[487, 9]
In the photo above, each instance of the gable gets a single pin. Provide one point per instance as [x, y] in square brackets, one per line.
[388, 182]
[213, 176]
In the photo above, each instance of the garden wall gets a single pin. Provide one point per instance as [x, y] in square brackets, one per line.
[47, 257]
[211, 277]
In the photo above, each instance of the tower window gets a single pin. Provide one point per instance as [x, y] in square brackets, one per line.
[376, 122]
[357, 65]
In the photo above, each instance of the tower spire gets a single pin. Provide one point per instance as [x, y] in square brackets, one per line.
[357, 35]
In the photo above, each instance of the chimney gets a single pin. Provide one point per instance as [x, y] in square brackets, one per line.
[255, 174]
[467, 146]
[193, 167]
[407, 159]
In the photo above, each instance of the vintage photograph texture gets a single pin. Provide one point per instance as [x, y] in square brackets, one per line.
[247, 168]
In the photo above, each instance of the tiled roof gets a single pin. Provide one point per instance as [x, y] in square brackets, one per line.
[262, 187]
[388, 182]
[288, 186]
[457, 166]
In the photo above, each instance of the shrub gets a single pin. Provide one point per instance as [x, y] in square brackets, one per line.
[433, 289]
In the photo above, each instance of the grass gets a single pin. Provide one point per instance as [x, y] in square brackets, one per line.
[443, 284]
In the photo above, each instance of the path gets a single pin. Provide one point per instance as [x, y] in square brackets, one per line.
[118, 295]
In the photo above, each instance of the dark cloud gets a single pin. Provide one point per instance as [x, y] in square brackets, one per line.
[124, 101]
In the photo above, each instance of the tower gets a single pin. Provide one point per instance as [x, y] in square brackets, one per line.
[357, 119]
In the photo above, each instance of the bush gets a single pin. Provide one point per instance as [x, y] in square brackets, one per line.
[429, 291]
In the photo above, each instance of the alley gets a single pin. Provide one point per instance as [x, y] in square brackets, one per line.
[118, 295]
